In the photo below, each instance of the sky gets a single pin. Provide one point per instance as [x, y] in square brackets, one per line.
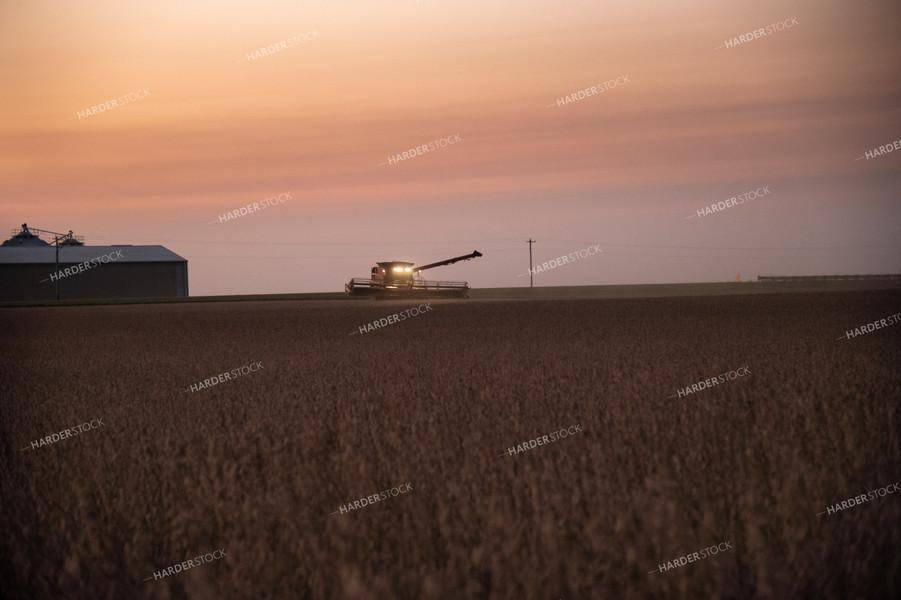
[205, 123]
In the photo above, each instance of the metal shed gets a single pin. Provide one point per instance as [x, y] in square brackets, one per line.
[28, 272]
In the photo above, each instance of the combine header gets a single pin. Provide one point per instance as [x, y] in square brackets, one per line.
[399, 279]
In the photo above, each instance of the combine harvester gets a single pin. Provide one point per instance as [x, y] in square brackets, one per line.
[398, 279]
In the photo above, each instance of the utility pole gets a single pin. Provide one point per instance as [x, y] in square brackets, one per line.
[56, 243]
[531, 241]
[59, 239]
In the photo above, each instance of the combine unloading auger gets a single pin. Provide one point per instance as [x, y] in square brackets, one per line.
[399, 279]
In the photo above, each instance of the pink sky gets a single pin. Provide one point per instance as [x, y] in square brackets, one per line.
[696, 124]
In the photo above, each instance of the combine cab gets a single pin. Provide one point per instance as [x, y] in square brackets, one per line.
[399, 279]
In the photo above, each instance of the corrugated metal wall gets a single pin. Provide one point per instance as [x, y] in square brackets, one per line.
[112, 280]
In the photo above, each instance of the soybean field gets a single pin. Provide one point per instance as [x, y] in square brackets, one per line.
[489, 448]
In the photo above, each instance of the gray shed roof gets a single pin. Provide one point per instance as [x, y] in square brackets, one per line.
[44, 255]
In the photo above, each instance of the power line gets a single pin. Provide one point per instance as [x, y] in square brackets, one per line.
[657, 255]
[234, 243]
[723, 247]
[730, 256]
[890, 249]
[494, 241]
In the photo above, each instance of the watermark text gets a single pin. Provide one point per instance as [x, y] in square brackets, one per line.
[65, 434]
[858, 500]
[223, 377]
[891, 147]
[709, 383]
[759, 33]
[564, 260]
[693, 557]
[871, 327]
[189, 564]
[255, 207]
[103, 107]
[593, 90]
[395, 318]
[542, 440]
[424, 148]
[282, 45]
[85, 266]
[373, 498]
[733, 201]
